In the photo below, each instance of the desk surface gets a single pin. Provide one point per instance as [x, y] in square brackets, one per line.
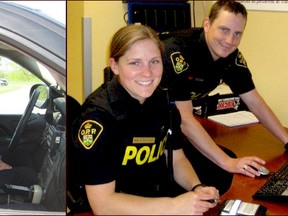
[252, 140]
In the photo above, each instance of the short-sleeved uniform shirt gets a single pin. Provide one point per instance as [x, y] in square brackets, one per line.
[120, 139]
[192, 72]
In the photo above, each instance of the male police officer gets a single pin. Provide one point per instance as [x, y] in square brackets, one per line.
[198, 64]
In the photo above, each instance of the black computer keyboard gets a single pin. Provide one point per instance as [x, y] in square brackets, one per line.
[276, 187]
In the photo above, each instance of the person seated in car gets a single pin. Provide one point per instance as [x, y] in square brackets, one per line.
[24, 176]
[17, 167]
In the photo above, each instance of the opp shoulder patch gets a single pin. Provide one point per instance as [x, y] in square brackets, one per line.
[89, 132]
[240, 61]
[178, 62]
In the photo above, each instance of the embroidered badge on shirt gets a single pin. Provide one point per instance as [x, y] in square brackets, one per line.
[179, 63]
[240, 61]
[89, 132]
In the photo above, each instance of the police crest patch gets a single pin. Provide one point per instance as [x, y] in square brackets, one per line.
[179, 63]
[89, 132]
[240, 61]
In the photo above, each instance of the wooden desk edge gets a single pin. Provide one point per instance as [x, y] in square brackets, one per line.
[243, 187]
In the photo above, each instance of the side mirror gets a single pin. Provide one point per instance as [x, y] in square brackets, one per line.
[43, 97]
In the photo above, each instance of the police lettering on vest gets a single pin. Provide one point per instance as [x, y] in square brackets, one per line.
[145, 154]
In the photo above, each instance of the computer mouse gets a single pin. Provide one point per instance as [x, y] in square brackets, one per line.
[263, 171]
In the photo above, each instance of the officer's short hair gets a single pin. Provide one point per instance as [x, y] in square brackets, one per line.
[227, 5]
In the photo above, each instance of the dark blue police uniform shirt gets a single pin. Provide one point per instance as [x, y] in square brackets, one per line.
[123, 140]
[192, 73]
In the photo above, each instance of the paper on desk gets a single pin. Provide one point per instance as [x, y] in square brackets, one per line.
[235, 118]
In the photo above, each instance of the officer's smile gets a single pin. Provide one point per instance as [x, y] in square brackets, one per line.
[144, 83]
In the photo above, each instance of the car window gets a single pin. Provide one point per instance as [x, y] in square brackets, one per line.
[15, 85]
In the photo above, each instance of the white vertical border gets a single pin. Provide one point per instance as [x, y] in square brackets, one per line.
[266, 5]
[87, 55]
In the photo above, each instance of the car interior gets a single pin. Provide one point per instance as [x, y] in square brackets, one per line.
[37, 44]
[48, 154]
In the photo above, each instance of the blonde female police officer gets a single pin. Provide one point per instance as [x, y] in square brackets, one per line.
[123, 134]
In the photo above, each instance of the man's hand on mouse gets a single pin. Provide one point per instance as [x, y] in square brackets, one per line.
[246, 165]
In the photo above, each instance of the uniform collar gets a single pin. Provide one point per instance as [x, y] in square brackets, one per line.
[205, 46]
[119, 96]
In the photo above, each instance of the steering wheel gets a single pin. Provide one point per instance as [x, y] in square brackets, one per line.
[23, 120]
